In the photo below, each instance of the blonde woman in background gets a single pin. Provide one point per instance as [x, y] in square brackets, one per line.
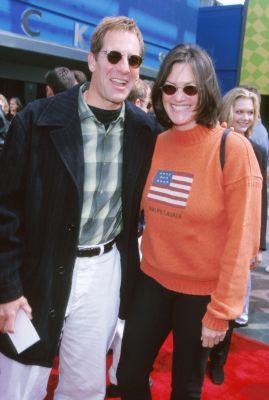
[240, 109]
[4, 124]
[4, 104]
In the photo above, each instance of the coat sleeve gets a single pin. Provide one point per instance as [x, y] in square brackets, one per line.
[13, 163]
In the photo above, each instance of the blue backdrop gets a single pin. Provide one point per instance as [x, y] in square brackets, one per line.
[71, 22]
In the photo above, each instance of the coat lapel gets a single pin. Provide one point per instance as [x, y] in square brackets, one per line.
[134, 148]
[62, 119]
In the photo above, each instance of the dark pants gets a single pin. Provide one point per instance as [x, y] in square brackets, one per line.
[154, 313]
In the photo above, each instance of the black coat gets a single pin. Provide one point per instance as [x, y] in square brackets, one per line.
[41, 195]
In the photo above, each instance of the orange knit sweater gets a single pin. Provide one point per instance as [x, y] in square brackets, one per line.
[202, 222]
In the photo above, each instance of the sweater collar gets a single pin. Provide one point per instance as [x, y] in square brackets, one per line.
[192, 136]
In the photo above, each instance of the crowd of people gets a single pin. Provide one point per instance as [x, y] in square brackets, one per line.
[88, 168]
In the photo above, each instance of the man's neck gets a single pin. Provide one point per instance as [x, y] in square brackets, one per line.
[93, 101]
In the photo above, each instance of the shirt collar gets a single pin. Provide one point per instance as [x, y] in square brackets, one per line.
[85, 112]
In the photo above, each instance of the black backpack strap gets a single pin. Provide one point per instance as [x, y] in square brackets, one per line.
[222, 147]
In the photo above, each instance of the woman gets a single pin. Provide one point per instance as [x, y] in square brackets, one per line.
[240, 108]
[15, 105]
[4, 104]
[202, 229]
[4, 123]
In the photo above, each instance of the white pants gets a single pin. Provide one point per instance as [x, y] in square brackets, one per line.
[22, 382]
[117, 341]
[116, 347]
[89, 328]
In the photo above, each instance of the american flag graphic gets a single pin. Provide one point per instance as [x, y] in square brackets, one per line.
[170, 187]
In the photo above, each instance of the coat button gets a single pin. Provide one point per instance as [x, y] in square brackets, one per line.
[61, 270]
[70, 227]
[52, 313]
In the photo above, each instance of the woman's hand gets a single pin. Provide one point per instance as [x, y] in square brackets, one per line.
[210, 337]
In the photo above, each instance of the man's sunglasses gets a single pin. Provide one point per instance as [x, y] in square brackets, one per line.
[189, 90]
[114, 56]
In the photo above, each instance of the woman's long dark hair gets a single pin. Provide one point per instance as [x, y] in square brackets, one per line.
[209, 97]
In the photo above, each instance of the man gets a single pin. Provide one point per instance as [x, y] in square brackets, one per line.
[58, 80]
[140, 95]
[71, 178]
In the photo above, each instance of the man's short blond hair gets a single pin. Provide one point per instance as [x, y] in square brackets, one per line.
[120, 23]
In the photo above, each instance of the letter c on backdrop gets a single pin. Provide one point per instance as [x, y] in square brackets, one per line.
[25, 22]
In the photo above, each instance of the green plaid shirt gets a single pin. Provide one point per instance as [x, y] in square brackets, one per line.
[101, 218]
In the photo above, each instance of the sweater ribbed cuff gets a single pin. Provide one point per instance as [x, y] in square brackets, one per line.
[214, 323]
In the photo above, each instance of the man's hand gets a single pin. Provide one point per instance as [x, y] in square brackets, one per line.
[8, 313]
[210, 337]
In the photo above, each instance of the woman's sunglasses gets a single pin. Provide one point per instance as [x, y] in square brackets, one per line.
[189, 90]
[114, 56]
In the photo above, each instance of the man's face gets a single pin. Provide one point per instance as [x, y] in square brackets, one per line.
[112, 83]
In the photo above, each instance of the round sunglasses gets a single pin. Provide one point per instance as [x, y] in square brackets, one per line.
[189, 90]
[114, 56]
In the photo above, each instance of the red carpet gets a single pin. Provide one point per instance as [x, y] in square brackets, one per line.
[246, 373]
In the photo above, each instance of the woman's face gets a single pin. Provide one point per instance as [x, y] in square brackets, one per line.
[243, 115]
[180, 107]
[12, 105]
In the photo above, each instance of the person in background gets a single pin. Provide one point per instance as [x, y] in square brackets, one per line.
[72, 173]
[4, 123]
[4, 104]
[240, 110]
[58, 80]
[150, 84]
[259, 133]
[202, 230]
[80, 77]
[140, 95]
[15, 105]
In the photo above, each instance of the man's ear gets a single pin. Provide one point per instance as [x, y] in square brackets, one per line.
[91, 61]
[49, 91]
[137, 102]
